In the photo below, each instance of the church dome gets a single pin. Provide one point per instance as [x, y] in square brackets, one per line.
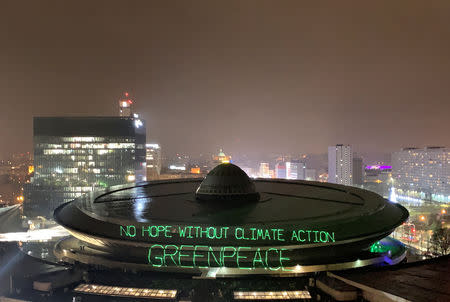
[227, 182]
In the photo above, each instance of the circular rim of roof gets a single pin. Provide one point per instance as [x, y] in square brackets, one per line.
[227, 182]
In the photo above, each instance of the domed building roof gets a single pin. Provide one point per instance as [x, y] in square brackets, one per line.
[227, 182]
[296, 227]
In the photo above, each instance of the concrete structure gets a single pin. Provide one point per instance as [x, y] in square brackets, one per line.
[424, 170]
[340, 164]
[227, 224]
[358, 172]
[421, 281]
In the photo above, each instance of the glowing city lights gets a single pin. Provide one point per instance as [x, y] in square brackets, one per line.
[378, 167]
[34, 235]
[273, 295]
[138, 123]
[119, 291]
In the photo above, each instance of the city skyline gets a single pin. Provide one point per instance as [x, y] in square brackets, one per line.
[239, 76]
[225, 150]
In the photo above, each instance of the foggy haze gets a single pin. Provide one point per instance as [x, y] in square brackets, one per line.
[246, 76]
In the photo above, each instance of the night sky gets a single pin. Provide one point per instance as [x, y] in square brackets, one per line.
[278, 76]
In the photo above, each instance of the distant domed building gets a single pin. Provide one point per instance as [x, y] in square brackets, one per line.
[228, 224]
[221, 158]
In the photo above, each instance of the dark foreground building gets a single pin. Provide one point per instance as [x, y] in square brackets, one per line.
[229, 225]
[427, 280]
[77, 155]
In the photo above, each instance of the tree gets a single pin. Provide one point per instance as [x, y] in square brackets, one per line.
[441, 240]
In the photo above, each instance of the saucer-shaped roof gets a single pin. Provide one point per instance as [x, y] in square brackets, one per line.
[227, 182]
[352, 213]
[312, 223]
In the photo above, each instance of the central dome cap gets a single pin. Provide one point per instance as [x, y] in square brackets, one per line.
[227, 182]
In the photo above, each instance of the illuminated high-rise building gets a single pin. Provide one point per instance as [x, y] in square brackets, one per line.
[264, 170]
[76, 155]
[295, 169]
[280, 170]
[290, 173]
[424, 170]
[153, 159]
[340, 164]
[125, 104]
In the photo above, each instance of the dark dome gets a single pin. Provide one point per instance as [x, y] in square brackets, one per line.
[227, 182]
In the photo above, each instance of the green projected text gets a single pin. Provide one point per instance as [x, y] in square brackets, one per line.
[298, 236]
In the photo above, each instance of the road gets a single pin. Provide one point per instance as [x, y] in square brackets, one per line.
[10, 219]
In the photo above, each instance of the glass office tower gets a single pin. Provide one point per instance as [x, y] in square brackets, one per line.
[77, 155]
[153, 158]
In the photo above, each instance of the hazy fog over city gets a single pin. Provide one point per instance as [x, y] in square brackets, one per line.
[248, 76]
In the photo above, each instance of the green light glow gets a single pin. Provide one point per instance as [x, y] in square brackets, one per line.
[377, 247]
[103, 184]
[129, 230]
[200, 256]
[223, 233]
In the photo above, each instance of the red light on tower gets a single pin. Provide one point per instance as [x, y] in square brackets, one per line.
[125, 105]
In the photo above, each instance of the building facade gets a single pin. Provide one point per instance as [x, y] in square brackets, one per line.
[264, 170]
[378, 179]
[423, 170]
[310, 174]
[340, 164]
[295, 169]
[280, 170]
[357, 171]
[77, 155]
[153, 160]
[221, 158]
